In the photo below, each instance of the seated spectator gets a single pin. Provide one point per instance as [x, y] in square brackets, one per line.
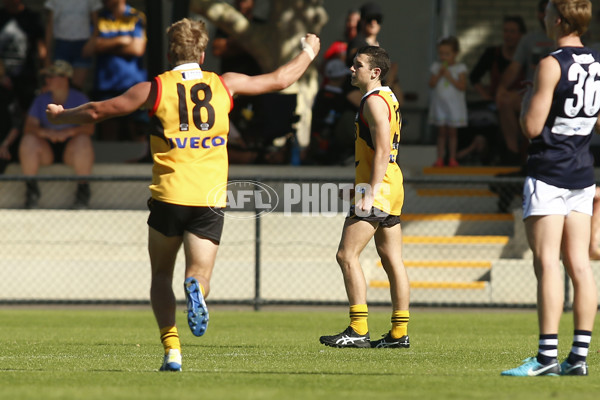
[495, 59]
[532, 47]
[68, 25]
[44, 143]
[329, 144]
[483, 129]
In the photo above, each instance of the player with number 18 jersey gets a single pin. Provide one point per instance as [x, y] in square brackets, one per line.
[189, 138]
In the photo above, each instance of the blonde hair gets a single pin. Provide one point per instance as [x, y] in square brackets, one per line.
[575, 15]
[187, 41]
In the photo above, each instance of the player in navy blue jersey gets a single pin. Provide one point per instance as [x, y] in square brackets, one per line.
[558, 116]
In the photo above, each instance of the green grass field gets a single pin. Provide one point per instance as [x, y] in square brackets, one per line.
[115, 353]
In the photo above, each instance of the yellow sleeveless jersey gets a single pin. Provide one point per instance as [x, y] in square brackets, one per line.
[390, 196]
[189, 137]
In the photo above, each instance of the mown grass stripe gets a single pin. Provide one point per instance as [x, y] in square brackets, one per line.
[455, 239]
[433, 285]
[456, 217]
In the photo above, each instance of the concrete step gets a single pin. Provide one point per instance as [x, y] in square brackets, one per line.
[450, 224]
[447, 198]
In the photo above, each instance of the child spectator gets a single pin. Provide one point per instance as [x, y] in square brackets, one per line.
[448, 108]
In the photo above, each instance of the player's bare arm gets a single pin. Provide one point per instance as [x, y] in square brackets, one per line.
[136, 97]
[279, 79]
[537, 103]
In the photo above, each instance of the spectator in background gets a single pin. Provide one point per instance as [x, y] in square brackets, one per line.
[69, 25]
[495, 59]
[532, 47]
[339, 48]
[22, 49]
[119, 48]
[329, 142]
[369, 26]
[493, 62]
[44, 143]
[448, 105]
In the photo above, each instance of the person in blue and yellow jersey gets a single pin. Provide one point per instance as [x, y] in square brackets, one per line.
[189, 108]
[379, 195]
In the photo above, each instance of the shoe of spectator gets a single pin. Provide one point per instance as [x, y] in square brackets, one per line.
[438, 163]
[453, 163]
[82, 196]
[32, 194]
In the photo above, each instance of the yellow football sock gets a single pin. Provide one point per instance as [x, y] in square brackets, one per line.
[399, 323]
[358, 318]
[170, 338]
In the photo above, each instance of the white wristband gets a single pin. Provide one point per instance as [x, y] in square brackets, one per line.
[309, 50]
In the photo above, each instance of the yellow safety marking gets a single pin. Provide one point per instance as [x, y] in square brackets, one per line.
[456, 217]
[444, 264]
[455, 239]
[433, 285]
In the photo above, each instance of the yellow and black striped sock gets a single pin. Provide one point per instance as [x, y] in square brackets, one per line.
[358, 318]
[170, 338]
[399, 323]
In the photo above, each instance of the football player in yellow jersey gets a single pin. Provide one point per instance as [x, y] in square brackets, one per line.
[190, 109]
[379, 196]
